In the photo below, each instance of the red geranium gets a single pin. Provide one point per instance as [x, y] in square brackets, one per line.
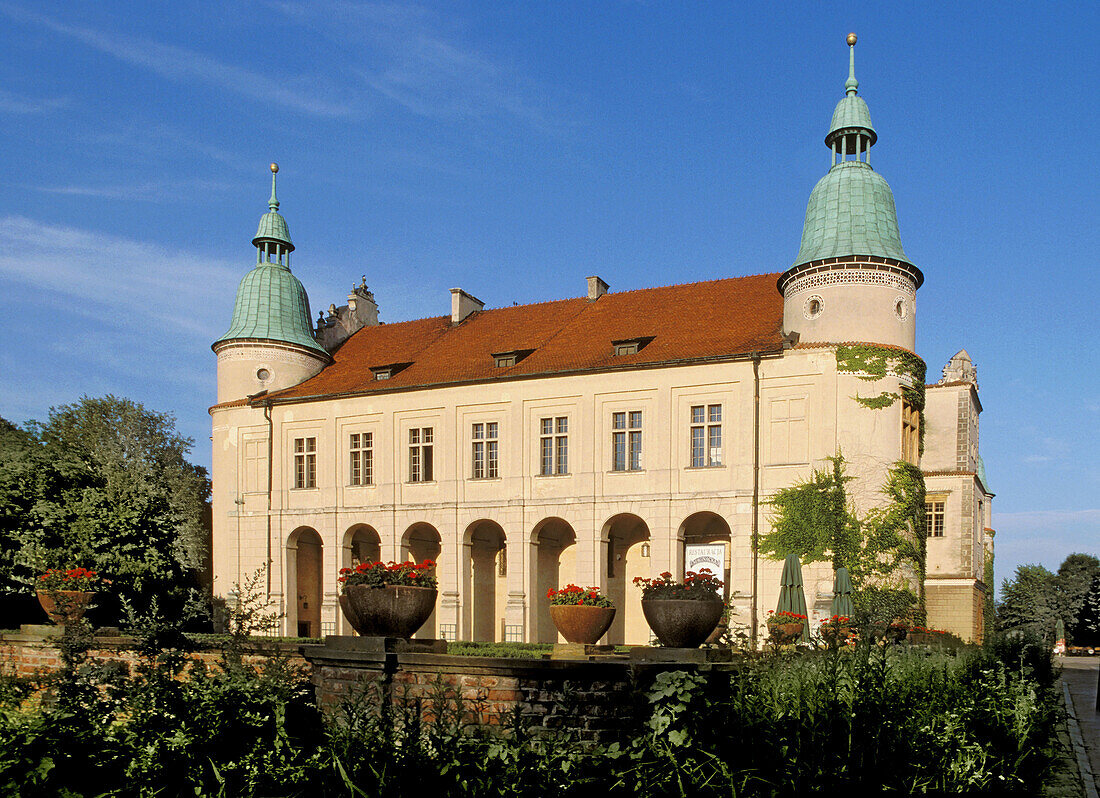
[700, 586]
[380, 574]
[583, 596]
[78, 578]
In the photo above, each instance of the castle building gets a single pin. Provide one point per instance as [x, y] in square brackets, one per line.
[592, 439]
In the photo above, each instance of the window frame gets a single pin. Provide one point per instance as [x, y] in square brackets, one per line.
[553, 446]
[421, 454]
[702, 434]
[626, 441]
[485, 450]
[305, 462]
[360, 459]
[935, 510]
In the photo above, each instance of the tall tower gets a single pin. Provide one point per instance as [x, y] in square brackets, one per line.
[270, 342]
[851, 281]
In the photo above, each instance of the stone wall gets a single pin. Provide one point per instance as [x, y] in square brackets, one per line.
[958, 609]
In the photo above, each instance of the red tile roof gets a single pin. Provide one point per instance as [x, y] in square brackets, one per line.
[718, 319]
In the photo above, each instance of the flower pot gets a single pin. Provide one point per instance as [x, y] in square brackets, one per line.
[581, 624]
[682, 623]
[391, 611]
[65, 606]
[783, 634]
[833, 633]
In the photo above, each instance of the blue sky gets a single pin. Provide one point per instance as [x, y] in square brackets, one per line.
[513, 149]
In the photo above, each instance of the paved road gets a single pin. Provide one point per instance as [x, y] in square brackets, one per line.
[1080, 675]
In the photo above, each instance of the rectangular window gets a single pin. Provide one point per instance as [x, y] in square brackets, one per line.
[305, 462]
[706, 436]
[485, 451]
[910, 433]
[420, 455]
[553, 446]
[934, 516]
[626, 441]
[361, 459]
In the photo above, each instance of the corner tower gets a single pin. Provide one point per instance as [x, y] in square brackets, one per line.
[851, 281]
[270, 343]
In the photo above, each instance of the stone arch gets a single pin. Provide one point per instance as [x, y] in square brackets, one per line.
[626, 537]
[362, 543]
[553, 560]
[707, 527]
[421, 541]
[305, 577]
[484, 580]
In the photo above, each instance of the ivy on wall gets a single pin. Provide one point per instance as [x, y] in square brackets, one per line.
[872, 363]
[814, 520]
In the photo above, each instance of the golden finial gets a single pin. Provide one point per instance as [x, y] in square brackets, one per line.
[851, 40]
[275, 166]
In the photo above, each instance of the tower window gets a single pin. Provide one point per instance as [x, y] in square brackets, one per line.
[263, 375]
[934, 518]
[813, 307]
[910, 433]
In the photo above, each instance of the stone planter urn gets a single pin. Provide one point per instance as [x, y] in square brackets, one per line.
[65, 606]
[682, 623]
[581, 624]
[783, 634]
[837, 634]
[390, 611]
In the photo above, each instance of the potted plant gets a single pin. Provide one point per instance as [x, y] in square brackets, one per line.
[682, 614]
[388, 599]
[836, 629]
[66, 593]
[581, 614]
[785, 628]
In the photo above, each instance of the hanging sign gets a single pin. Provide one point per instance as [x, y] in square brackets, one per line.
[711, 556]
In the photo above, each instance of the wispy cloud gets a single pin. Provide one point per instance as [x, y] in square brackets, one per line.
[1045, 520]
[141, 192]
[413, 57]
[122, 283]
[181, 64]
[16, 104]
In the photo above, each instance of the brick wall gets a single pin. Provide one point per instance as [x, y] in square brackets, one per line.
[958, 609]
[33, 651]
[595, 699]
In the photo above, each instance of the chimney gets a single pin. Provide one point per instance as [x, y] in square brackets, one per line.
[463, 304]
[596, 288]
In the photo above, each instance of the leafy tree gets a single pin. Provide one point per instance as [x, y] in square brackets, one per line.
[1029, 601]
[1087, 631]
[1071, 585]
[106, 484]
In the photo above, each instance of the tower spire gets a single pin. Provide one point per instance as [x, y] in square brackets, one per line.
[851, 86]
[273, 203]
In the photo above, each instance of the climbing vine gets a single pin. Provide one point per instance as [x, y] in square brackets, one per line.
[814, 520]
[872, 363]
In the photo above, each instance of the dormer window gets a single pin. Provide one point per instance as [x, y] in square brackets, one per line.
[387, 370]
[631, 346]
[504, 360]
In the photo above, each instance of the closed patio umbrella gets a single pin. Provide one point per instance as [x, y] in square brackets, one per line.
[792, 598]
[842, 595]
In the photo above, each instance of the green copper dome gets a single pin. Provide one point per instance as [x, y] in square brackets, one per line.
[851, 209]
[271, 303]
[851, 114]
[850, 212]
